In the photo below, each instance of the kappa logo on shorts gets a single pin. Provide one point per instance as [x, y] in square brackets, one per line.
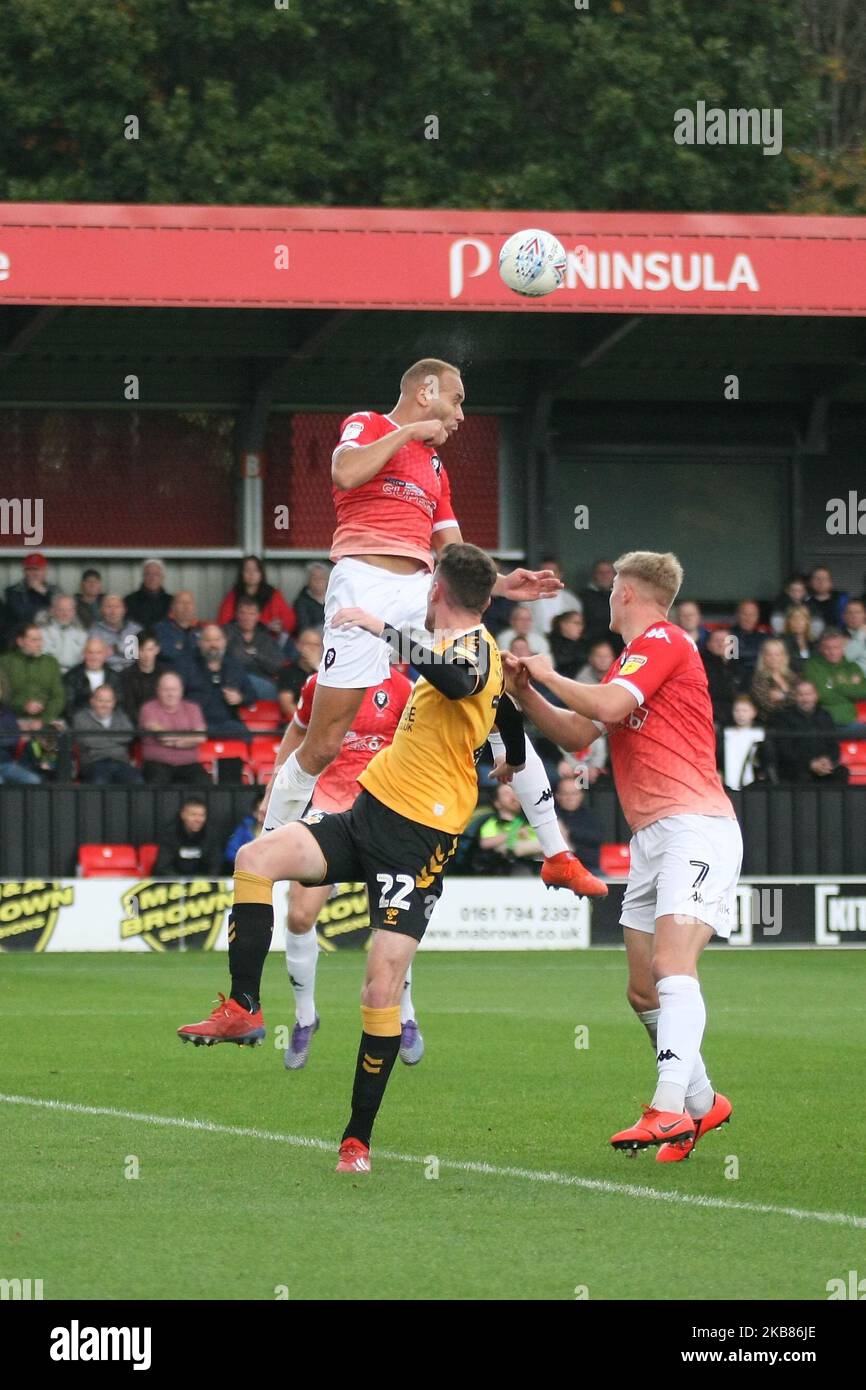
[380, 699]
[330, 658]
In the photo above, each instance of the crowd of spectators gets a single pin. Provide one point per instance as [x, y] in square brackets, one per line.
[138, 681]
[141, 680]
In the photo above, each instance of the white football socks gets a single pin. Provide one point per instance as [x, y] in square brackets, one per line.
[680, 1029]
[302, 952]
[699, 1094]
[290, 793]
[532, 786]
[407, 1008]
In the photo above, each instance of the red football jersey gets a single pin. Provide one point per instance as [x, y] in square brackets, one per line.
[396, 512]
[663, 754]
[373, 728]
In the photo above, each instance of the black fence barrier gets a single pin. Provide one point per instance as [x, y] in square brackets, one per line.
[809, 830]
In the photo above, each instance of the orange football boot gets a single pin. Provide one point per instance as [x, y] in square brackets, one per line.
[354, 1157]
[229, 1022]
[564, 870]
[655, 1127]
[718, 1114]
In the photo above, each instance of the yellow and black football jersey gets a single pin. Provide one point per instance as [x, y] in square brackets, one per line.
[428, 773]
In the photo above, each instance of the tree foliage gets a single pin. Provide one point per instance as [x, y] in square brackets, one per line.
[538, 104]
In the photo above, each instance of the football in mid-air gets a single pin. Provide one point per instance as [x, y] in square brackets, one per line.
[532, 262]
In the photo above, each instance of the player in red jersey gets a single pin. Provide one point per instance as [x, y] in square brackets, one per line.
[686, 846]
[394, 512]
[373, 728]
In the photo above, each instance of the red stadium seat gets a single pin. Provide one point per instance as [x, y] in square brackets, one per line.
[263, 716]
[214, 749]
[853, 756]
[107, 861]
[614, 861]
[263, 755]
[147, 856]
[861, 711]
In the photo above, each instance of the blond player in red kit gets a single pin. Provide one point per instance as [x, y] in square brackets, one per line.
[337, 789]
[394, 515]
[686, 847]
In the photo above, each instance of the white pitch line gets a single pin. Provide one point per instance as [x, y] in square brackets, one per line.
[490, 1170]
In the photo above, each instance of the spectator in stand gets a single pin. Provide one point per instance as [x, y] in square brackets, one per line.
[804, 742]
[149, 604]
[291, 677]
[722, 674]
[309, 606]
[63, 637]
[521, 626]
[595, 599]
[797, 636]
[12, 773]
[854, 628]
[544, 610]
[690, 619]
[249, 829]
[188, 847]
[138, 682]
[840, 683]
[794, 595]
[773, 682]
[117, 631]
[217, 683]
[505, 840]
[748, 638]
[33, 681]
[169, 752]
[824, 602]
[741, 744]
[89, 598]
[252, 582]
[177, 634]
[568, 646]
[578, 822]
[103, 734]
[93, 672]
[32, 594]
[250, 643]
[601, 656]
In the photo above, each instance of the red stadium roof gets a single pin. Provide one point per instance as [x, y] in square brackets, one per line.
[361, 258]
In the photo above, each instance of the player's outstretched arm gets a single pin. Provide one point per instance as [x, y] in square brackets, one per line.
[352, 467]
[567, 729]
[607, 703]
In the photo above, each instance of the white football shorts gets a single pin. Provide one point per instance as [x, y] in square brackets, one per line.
[685, 865]
[353, 658]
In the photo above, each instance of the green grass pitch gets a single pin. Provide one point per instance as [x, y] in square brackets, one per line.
[216, 1213]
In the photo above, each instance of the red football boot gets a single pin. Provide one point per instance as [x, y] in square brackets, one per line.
[564, 870]
[229, 1022]
[718, 1114]
[354, 1157]
[655, 1127]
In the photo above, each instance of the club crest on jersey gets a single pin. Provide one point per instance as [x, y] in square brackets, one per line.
[380, 699]
[437, 464]
[631, 664]
[313, 817]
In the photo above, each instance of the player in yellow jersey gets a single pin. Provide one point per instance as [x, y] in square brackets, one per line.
[399, 836]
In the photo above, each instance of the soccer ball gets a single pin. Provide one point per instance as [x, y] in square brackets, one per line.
[532, 262]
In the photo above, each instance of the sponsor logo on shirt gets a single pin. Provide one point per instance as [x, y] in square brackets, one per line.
[408, 492]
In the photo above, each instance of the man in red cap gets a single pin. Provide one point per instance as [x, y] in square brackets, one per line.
[27, 599]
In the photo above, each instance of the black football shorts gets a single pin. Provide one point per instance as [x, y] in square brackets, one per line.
[401, 862]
